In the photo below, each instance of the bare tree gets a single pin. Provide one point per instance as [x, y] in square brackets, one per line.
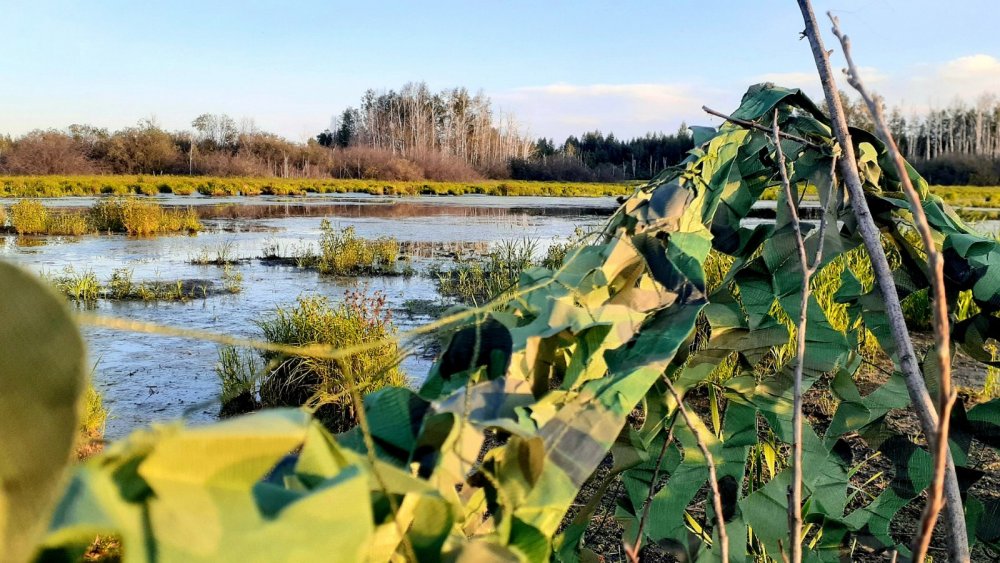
[866, 226]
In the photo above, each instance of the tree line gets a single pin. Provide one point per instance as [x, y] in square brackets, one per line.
[596, 157]
[215, 145]
[955, 145]
[414, 122]
[452, 135]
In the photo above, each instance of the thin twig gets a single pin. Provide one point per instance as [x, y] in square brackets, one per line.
[915, 386]
[607, 512]
[937, 442]
[713, 479]
[795, 494]
[633, 551]
[754, 125]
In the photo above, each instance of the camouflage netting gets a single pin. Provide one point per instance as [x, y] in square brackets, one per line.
[559, 364]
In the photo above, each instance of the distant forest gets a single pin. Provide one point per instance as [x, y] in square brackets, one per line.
[452, 135]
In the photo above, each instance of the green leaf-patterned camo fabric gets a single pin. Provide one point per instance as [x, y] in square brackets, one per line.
[526, 402]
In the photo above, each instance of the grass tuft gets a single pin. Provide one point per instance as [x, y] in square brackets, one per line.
[320, 384]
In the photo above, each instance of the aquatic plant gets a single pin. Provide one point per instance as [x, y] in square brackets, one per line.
[67, 223]
[321, 384]
[223, 255]
[342, 252]
[134, 216]
[120, 285]
[86, 287]
[479, 280]
[232, 280]
[79, 286]
[239, 371]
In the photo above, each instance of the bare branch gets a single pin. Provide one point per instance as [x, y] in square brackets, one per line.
[937, 442]
[753, 125]
[866, 226]
[795, 494]
[633, 551]
[713, 479]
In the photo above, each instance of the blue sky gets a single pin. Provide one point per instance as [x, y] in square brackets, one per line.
[560, 67]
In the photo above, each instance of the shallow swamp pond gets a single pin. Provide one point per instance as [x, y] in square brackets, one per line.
[146, 378]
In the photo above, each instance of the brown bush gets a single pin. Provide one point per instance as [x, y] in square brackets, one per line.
[373, 164]
[446, 168]
[47, 152]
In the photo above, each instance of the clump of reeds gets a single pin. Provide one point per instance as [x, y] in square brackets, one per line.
[224, 256]
[478, 281]
[141, 218]
[79, 286]
[281, 380]
[114, 215]
[342, 252]
[29, 217]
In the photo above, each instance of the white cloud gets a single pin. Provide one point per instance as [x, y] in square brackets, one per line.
[965, 78]
[627, 110]
[917, 88]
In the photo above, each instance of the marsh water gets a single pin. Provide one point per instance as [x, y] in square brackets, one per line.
[146, 377]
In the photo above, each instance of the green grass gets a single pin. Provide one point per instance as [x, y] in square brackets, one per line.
[275, 380]
[955, 196]
[223, 256]
[93, 416]
[59, 186]
[342, 252]
[85, 287]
